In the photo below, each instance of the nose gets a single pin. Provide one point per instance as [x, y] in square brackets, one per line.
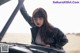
[38, 20]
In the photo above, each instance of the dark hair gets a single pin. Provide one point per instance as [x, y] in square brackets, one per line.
[46, 27]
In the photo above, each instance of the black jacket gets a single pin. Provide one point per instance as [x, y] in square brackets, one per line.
[58, 37]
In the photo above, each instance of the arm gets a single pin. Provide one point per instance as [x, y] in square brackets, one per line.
[61, 39]
[26, 16]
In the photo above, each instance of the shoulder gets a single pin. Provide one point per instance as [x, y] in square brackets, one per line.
[57, 31]
[53, 31]
[34, 28]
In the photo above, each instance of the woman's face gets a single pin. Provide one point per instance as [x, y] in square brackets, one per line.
[38, 21]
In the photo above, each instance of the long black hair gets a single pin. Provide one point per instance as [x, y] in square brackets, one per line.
[46, 27]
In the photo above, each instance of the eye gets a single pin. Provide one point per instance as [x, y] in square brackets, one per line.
[34, 18]
[40, 18]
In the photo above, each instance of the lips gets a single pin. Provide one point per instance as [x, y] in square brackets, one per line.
[38, 24]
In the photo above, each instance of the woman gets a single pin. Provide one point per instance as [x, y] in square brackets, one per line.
[42, 32]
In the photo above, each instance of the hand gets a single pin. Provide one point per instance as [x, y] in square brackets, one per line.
[20, 1]
[48, 46]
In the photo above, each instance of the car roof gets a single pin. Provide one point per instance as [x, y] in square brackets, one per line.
[3, 1]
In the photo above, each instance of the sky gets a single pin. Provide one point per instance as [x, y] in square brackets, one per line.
[64, 16]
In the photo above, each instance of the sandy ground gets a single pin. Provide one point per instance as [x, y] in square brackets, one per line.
[73, 46]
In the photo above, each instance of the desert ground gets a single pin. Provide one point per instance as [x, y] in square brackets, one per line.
[73, 46]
